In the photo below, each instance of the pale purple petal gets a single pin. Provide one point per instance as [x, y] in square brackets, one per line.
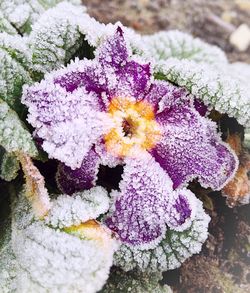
[70, 181]
[191, 148]
[68, 123]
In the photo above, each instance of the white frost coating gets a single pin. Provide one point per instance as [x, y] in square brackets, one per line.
[213, 87]
[23, 13]
[171, 252]
[50, 260]
[13, 136]
[167, 44]
[71, 126]
[79, 207]
[55, 37]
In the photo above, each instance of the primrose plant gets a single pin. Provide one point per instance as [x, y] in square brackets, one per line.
[104, 136]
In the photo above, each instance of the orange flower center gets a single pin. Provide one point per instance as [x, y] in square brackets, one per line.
[135, 127]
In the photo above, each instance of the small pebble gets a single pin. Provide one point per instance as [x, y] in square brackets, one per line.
[240, 38]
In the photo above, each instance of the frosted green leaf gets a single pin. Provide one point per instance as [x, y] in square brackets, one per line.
[55, 38]
[50, 260]
[164, 45]
[21, 14]
[171, 252]
[13, 135]
[135, 282]
[215, 88]
[5, 25]
[14, 63]
[9, 166]
[69, 210]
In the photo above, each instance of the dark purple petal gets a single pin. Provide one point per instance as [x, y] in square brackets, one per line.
[70, 181]
[124, 77]
[191, 148]
[200, 107]
[140, 206]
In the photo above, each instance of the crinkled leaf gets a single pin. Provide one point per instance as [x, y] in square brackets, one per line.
[171, 252]
[216, 89]
[21, 14]
[167, 44]
[134, 281]
[14, 63]
[13, 135]
[9, 166]
[55, 38]
[50, 260]
[5, 25]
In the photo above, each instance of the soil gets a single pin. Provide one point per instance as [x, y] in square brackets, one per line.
[223, 265]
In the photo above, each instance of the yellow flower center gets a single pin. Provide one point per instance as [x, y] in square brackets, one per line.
[135, 127]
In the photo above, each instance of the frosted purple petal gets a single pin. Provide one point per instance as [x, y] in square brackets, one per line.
[70, 181]
[191, 148]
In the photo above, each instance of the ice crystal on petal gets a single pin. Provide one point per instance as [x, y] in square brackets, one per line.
[216, 89]
[80, 207]
[171, 252]
[13, 136]
[61, 125]
[164, 45]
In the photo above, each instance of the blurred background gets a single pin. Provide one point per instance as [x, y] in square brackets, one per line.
[225, 23]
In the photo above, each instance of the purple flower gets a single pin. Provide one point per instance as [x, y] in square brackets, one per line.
[110, 110]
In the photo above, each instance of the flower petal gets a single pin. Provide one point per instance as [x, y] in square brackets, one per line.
[124, 77]
[191, 148]
[146, 203]
[69, 123]
[70, 181]
[139, 206]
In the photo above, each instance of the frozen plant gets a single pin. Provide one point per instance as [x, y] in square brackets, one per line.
[77, 96]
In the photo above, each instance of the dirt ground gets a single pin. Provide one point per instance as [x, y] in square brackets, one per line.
[223, 265]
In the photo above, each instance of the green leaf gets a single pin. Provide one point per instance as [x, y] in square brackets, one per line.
[167, 44]
[9, 167]
[56, 38]
[134, 281]
[14, 63]
[50, 260]
[216, 88]
[22, 14]
[5, 25]
[14, 137]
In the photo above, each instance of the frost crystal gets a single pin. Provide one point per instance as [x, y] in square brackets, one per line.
[176, 44]
[171, 252]
[80, 207]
